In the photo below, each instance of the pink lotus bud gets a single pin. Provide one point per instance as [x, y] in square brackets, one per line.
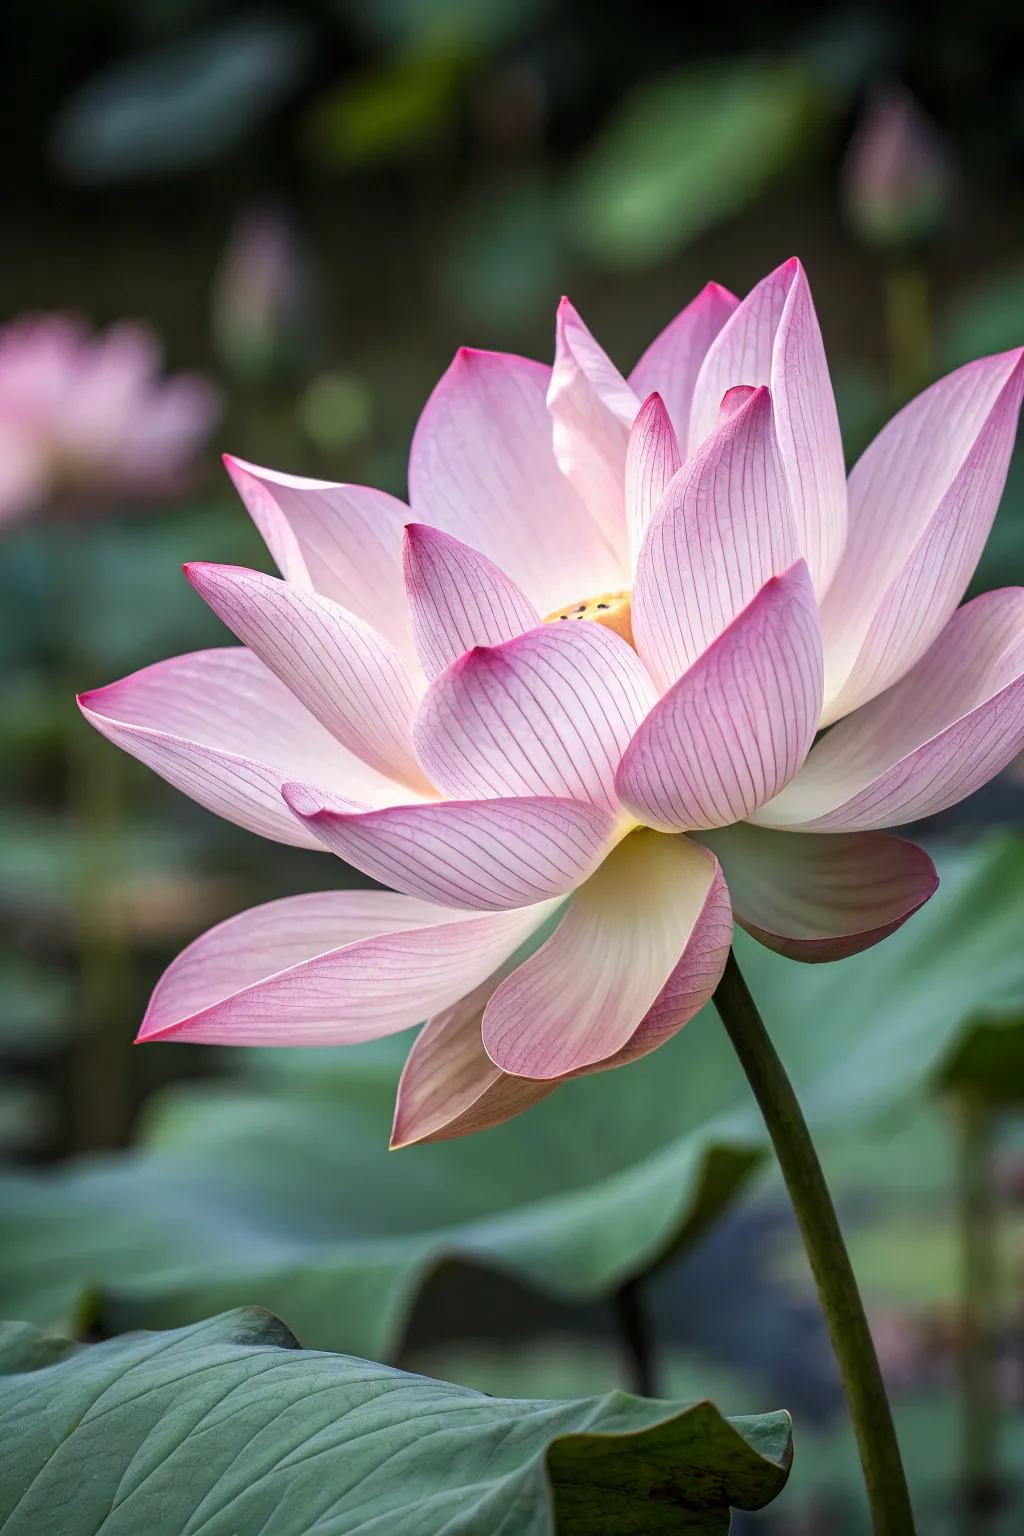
[261, 297]
[896, 177]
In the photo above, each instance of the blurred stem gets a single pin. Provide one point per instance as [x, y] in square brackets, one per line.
[979, 1306]
[637, 1344]
[830, 1263]
[908, 319]
[101, 1065]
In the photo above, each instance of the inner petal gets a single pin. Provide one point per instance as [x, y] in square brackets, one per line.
[612, 609]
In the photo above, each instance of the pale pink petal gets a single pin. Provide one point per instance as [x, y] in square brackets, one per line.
[692, 982]
[458, 598]
[815, 897]
[331, 968]
[488, 855]
[922, 500]
[549, 713]
[272, 938]
[672, 361]
[640, 949]
[482, 468]
[773, 338]
[592, 409]
[735, 728]
[341, 669]
[652, 458]
[722, 530]
[949, 726]
[343, 541]
[219, 726]
[450, 1086]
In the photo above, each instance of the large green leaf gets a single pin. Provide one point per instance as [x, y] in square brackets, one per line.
[824, 1493]
[282, 1193]
[688, 151]
[396, 110]
[182, 104]
[229, 1426]
[287, 1196]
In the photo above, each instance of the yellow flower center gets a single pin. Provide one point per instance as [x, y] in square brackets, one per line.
[612, 609]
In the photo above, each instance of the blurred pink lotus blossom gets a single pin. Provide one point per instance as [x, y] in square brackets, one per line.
[570, 699]
[86, 421]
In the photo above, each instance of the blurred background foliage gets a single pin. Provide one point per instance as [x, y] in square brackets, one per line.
[315, 203]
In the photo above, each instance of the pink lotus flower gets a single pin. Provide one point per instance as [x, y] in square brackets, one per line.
[86, 420]
[577, 695]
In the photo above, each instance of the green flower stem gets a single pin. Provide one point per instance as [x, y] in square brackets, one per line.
[102, 1062]
[979, 1295]
[94, 798]
[636, 1343]
[837, 1289]
[908, 322]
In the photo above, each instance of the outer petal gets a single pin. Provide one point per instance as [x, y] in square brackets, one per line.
[652, 458]
[944, 730]
[672, 361]
[458, 598]
[735, 728]
[547, 714]
[344, 541]
[922, 500]
[345, 673]
[640, 949]
[723, 528]
[821, 898]
[773, 338]
[487, 855]
[592, 409]
[327, 969]
[219, 726]
[450, 1086]
[482, 468]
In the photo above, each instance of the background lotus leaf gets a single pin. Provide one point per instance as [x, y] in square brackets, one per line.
[228, 1425]
[280, 1190]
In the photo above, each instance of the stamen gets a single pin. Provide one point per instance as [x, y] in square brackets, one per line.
[613, 610]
